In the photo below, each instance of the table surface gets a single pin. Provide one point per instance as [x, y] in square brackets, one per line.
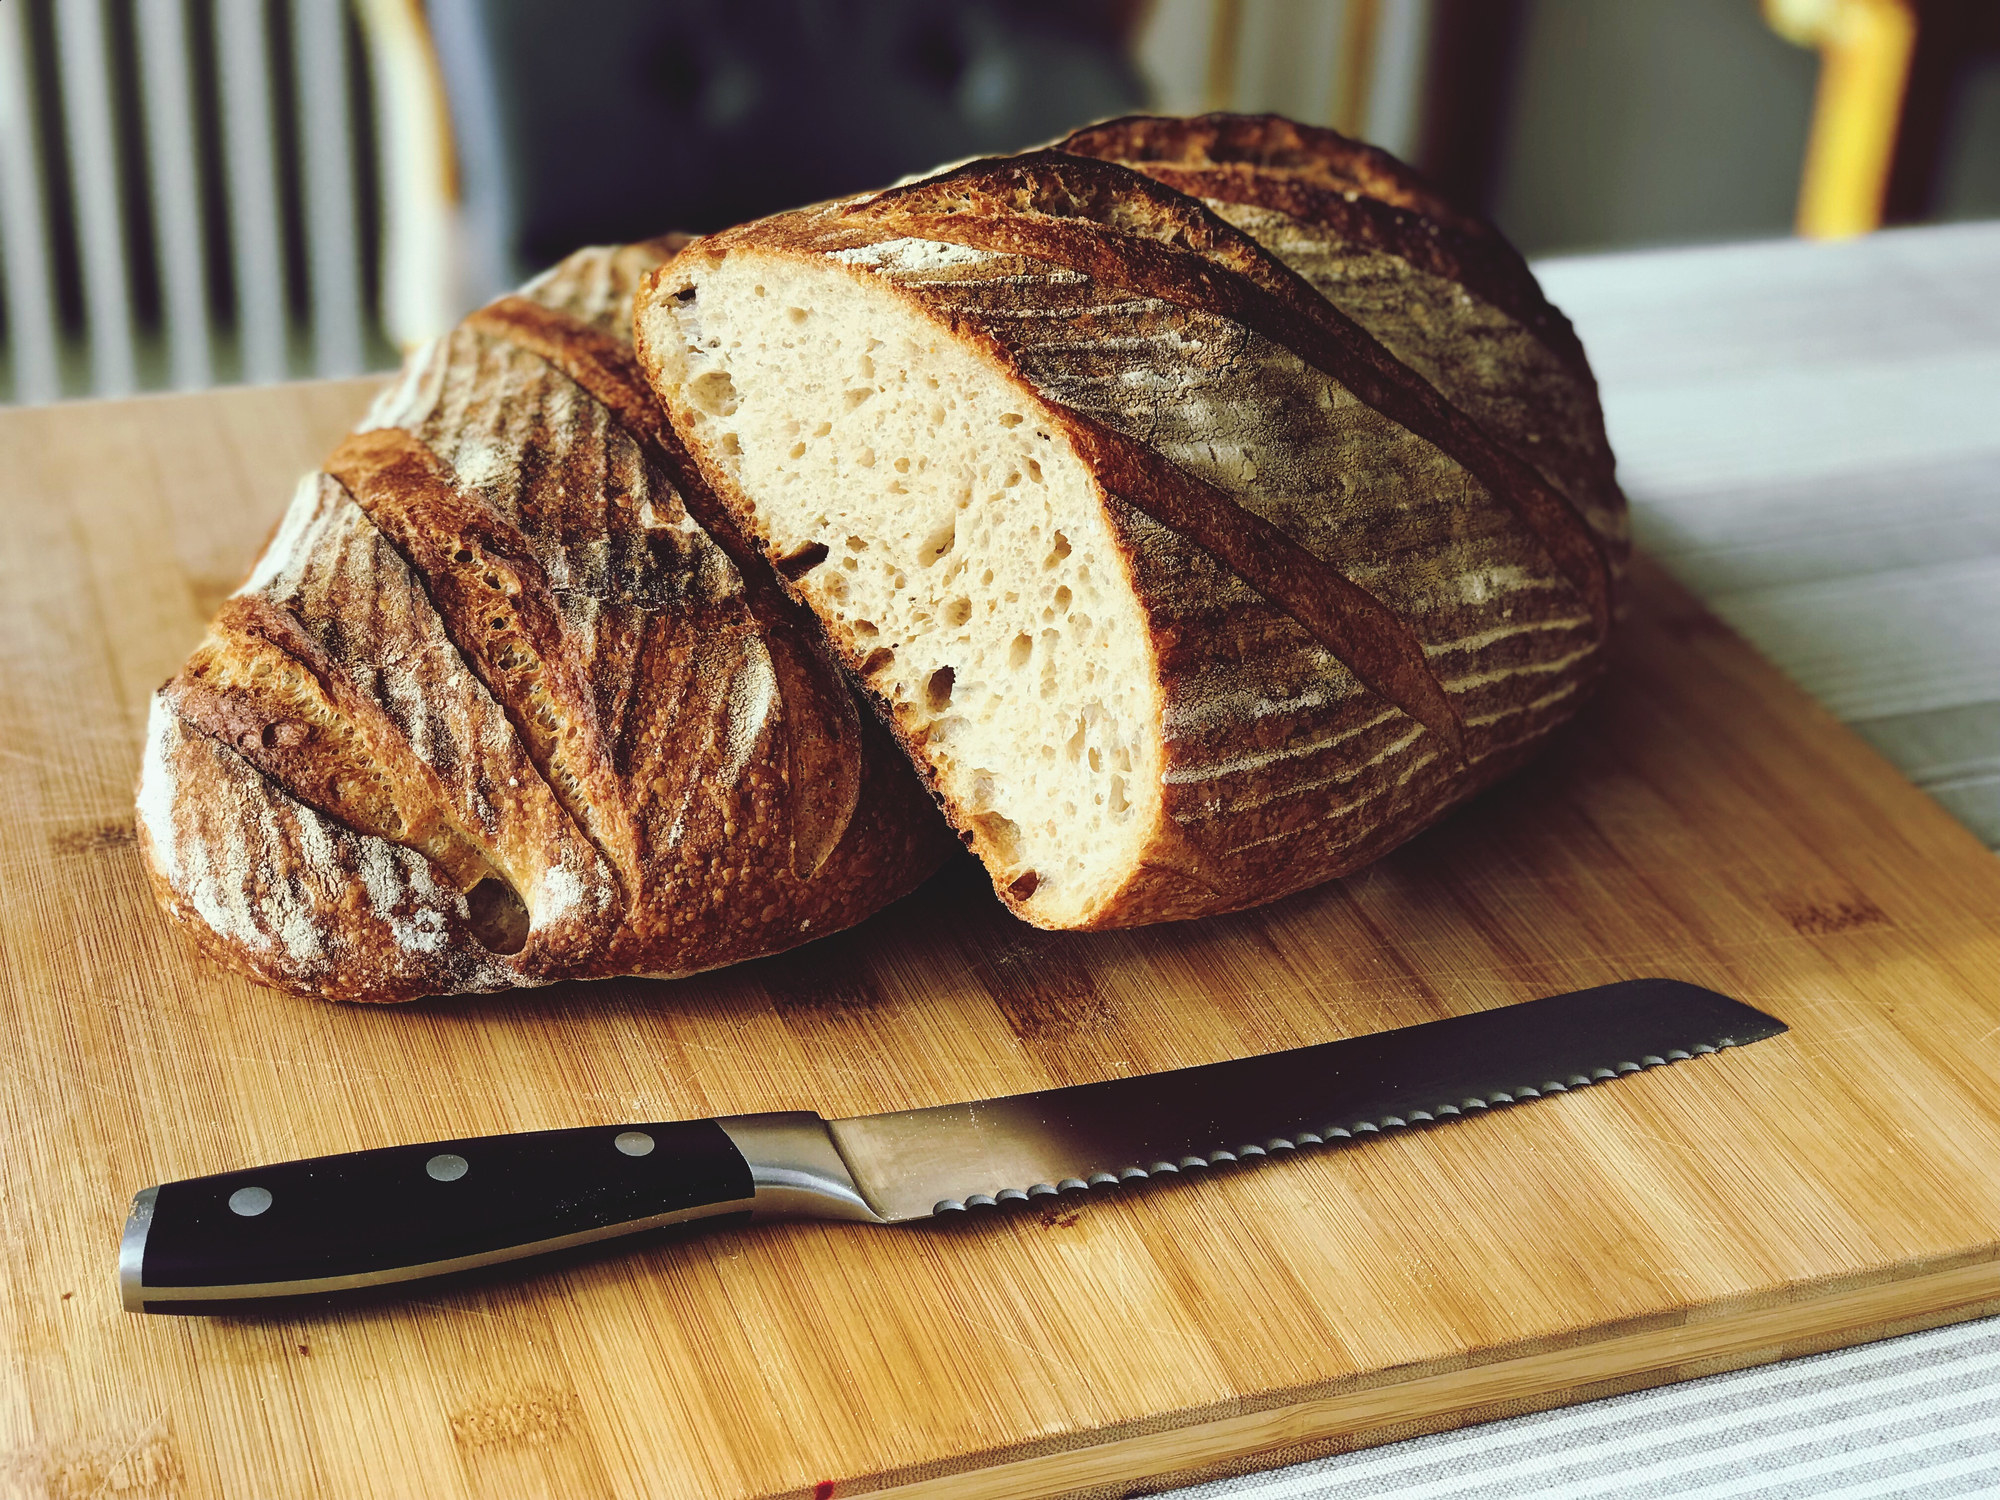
[1810, 436]
[1793, 391]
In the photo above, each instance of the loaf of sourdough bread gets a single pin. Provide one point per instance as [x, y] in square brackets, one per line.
[507, 700]
[1184, 586]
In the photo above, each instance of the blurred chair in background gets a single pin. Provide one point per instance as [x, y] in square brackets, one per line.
[697, 114]
[208, 190]
[1357, 65]
[1890, 71]
[188, 191]
[202, 190]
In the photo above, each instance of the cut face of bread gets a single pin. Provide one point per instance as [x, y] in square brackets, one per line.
[1182, 588]
[924, 504]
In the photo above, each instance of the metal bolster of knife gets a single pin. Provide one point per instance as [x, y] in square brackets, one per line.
[798, 1171]
[132, 1251]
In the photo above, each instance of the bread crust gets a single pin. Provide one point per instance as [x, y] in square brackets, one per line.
[1365, 240]
[1274, 148]
[1357, 617]
[494, 708]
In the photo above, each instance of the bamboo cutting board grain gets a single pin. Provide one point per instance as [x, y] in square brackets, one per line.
[1702, 820]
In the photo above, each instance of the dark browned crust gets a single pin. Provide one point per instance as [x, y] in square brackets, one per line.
[553, 952]
[333, 768]
[1274, 146]
[498, 609]
[1121, 228]
[360, 965]
[1487, 268]
[1374, 641]
[1298, 171]
[822, 727]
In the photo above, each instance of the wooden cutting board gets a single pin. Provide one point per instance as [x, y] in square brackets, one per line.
[1702, 820]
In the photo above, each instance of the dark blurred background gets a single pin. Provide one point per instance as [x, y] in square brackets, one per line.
[197, 191]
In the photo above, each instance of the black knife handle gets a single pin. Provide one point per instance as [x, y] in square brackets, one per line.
[402, 1213]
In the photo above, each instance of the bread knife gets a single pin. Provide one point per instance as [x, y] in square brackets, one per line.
[407, 1213]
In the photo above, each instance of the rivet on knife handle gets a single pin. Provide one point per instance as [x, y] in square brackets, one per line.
[404, 1213]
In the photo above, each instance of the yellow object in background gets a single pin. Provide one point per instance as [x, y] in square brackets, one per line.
[1865, 49]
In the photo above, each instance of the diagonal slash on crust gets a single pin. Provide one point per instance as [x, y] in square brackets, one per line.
[1042, 205]
[822, 726]
[414, 499]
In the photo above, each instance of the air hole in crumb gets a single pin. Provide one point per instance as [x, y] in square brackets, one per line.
[685, 294]
[1010, 419]
[462, 555]
[284, 735]
[1057, 551]
[797, 564]
[938, 543]
[858, 395]
[865, 629]
[1002, 835]
[1024, 887]
[1062, 598]
[714, 393]
[958, 612]
[796, 314]
[877, 660]
[499, 918]
[937, 691]
[1020, 651]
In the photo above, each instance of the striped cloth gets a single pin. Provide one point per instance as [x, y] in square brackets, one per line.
[1912, 1416]
[1810, 435]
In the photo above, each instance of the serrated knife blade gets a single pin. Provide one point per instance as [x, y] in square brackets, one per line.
[405, 1213]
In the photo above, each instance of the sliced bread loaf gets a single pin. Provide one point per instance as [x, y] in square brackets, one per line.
[1183, 590]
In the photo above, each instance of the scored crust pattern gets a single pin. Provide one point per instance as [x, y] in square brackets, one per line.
[1366, 599]
[495, 707]
[1442, 291]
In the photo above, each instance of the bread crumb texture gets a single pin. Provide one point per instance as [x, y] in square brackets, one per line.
[957, 548]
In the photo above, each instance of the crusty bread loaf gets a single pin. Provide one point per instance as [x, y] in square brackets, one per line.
[1183, 589]
[497, 705]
